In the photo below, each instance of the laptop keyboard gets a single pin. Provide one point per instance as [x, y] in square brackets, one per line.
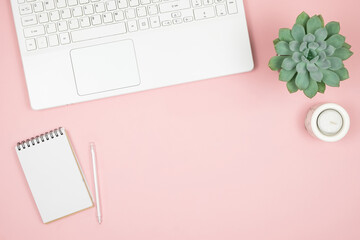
[52, 23]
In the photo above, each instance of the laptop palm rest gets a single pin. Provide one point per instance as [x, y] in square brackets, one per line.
[105, 67]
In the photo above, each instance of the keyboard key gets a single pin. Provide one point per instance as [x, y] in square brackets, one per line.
[99, 7]
[64, 38]
[54, 16]
[49, 4]
[65, 13]
[108, 18]
[232, 8]
[42, 42]
[145, 2]
[119, 16]
[53, 40]
[133, 3]
[177, 21]
[166, 23]
[34, 31]
[84, 1]
[72, 2]
[95, 20]
[30, 44]
[174, 6]
[88, 9]
[111, 5]
[29, 20]
[60, 3]
[130, 13]
[204, 13]
[221, 10]
[132, 25]
[43, 18]
[51, 28]
[77, 12]
[208, 2]
[25, 9]
[73, 23]
[141, 11]
[84, 22]
[188, 19]
[152, 9]
[155, 22]
[122, 4]
[62, 26]
[143, 24]
[98, 32]
[38, 7]
[196, 3]
[176, 14]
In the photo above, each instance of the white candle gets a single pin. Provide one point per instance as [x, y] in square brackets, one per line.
[328, 122]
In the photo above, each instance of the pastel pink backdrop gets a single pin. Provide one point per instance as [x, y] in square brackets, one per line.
[225, 158]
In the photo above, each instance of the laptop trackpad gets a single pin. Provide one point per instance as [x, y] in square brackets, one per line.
[105, 67]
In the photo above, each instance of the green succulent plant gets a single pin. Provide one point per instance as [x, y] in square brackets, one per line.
[310, 55]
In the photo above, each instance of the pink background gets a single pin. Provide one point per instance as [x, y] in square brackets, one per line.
[225, 158]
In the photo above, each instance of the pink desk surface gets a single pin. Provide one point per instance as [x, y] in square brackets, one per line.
[225, 158]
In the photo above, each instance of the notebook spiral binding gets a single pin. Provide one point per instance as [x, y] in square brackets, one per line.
[40, 138]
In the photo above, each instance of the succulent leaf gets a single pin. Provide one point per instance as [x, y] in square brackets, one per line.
[317, 76]
[321, 87]
[313, 24]
[331, 78]
[314, 45]
[288, 64]
[323, 64]
[309, 38]
[342, 53]
[323, 46]
[302, 80]
[294, 46]
[332, 28]
[285, 35]
[336, 40]
[322, 20]
[343, 74]
[286, 75]
[297, 57]
[291, 86]
[346, 45]
[321, 34]
[302, 19]
[330, 50]
[301, 67]
[312, 90]
[303, 46]
[336, 63]
[298, 32]
[275, 62]
[276, 41]
[282, 48]
[311, 67]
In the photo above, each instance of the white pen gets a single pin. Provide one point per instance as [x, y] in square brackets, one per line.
[93, 156]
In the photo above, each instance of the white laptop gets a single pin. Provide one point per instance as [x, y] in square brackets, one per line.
[80, 50]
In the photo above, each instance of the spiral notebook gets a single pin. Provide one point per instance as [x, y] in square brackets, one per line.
[54, 176]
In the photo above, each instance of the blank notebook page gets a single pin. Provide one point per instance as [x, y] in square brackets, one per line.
[54, 176]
